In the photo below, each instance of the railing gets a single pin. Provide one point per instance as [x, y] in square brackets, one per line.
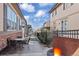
[67, 33]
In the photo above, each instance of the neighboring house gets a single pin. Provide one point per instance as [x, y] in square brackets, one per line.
[11, 17]
[46, 25]
[11, 20]
[46, 28]
[65, 20]
[64, 16]
[38, 30]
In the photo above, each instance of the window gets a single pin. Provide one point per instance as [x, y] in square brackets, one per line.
[11, 19]
[64, 25]
[72, 4]
[55, 12]
[52, 14]
[64, 6]
[18, 23]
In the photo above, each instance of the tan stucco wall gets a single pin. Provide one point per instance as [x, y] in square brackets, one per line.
[68, 12]
[74, 22]
[1, 17]
[71, 14]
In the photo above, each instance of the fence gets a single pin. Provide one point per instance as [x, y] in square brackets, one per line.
[67, 33]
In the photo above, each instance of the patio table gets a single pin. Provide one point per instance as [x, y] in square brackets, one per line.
[18, 42]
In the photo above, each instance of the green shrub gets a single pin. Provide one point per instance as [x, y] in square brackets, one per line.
[44, 37]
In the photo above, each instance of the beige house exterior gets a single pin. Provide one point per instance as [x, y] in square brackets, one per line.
[65, 16]
[65, 21]
[11, 23]
[46, 25]
[13, 13]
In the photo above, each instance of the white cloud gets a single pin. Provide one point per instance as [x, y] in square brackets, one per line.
[40, 13]
[37, 19]
[44, 4]
[27, 7]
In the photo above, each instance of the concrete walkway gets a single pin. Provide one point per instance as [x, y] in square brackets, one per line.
[33, 49]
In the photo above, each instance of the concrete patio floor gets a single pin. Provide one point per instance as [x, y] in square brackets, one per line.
[33, 49]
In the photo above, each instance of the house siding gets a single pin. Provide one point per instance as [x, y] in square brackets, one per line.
[67, 43]
[1, 17]
[4, 33]
[71, 14]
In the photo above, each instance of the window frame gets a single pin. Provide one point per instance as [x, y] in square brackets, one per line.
[64, 6]
[11, 18]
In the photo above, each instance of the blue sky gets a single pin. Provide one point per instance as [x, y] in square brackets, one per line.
[36, 13]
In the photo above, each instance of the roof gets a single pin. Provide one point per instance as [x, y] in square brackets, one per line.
[55, 6]
[16, 6]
